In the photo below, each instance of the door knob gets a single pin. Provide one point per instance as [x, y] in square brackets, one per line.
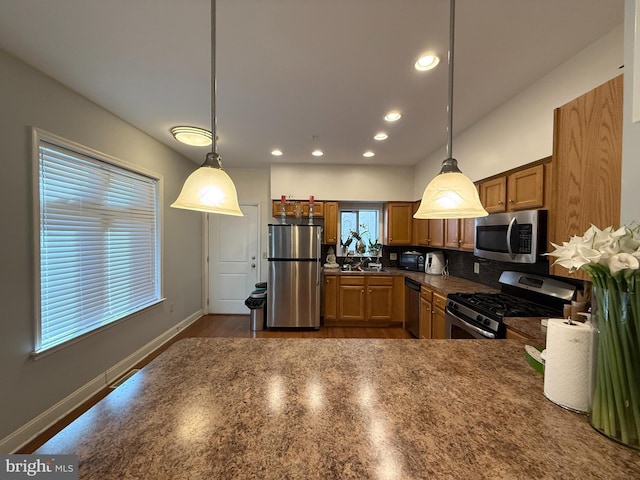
[253, 257]
[253, 265]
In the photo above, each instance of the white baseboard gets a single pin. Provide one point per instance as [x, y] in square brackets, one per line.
[46, 419]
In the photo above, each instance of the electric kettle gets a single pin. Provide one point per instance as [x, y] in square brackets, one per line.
[434, 263]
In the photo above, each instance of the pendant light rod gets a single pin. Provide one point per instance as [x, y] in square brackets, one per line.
[452, 22]
[214, 87]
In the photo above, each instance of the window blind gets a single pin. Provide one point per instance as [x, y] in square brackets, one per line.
[99, 244]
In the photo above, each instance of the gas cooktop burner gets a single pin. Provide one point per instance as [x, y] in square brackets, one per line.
[499, 305]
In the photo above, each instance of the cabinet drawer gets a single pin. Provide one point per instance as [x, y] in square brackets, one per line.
[426, 293]
[388, 280]
[439, 301]
[352, 280]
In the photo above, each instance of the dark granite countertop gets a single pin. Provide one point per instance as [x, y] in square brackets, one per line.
[338, 409]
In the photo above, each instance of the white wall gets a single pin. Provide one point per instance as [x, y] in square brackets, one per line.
[521, 130]
[342, 182]
[252, 185]
[27, 387]
[631, 131]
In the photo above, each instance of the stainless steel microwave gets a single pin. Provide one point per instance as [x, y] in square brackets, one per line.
[516, 237]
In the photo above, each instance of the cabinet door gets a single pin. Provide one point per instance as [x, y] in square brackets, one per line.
[511, 334]
[493, 194]
[425, 318]
[525, 189]
[436, 233]
[451, 233]
[290, 208]
[399, 226]
[330, 222]
[380, 299]
[351, 298]
[420, 228]
[330, 297]
[438, 324]
[467, 233]
[587, 165]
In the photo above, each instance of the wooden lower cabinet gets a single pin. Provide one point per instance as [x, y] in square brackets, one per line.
[512, 334]
[425, 312]
[363, 300]
[330, 297]
[438, 329]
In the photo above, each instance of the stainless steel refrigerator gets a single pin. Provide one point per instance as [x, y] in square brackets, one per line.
[293, 291]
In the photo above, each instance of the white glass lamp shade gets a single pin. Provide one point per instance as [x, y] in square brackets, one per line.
[450, 195]
[211, 190]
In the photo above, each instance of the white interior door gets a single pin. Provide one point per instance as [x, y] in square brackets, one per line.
[233, 260]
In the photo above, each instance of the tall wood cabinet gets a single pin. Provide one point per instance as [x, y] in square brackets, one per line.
[587, 165]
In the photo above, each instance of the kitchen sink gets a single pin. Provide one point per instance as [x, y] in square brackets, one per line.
[366, 270]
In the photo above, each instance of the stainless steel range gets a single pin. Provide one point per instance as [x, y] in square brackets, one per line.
[479, 315]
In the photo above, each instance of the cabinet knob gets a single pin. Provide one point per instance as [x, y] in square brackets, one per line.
[369, 290]
[500, 202]
[361, 291]
[459, 241]
[511, 200]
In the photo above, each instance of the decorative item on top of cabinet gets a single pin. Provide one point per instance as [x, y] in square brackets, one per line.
[522, 188]
[290, 208]
[587, 165]
[425, 312]
[398, 224]
[330, 222]
[438, 327]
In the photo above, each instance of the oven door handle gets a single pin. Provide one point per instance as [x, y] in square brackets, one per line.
[509, 230]
[482, 332]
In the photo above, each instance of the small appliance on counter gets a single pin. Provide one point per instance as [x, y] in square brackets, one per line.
[434, 263]
[411, 260]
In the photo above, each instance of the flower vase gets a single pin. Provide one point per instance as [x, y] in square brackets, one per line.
[615, 382]
[360, 247]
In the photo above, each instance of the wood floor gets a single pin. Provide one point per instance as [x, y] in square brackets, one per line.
[223, 326]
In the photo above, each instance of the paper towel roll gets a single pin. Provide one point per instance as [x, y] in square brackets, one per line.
[567, 369]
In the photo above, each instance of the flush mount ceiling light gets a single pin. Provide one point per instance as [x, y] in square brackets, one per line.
[380, 136]
[317, 153]
[393, 116]
[198, 137]
[426, 62]
[209, 189]
[368, 154]
[276, 152]
[450, 194]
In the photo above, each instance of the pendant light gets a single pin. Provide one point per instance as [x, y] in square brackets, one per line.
[209, 189]
[450, 194]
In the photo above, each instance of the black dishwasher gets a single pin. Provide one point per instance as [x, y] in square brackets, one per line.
[412, 306]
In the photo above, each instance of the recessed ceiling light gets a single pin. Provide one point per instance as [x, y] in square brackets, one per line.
[368, 154]
[276, 152]
[393, 116]
[380, 136]
[317, 153]
[426, 62]
[198, 137]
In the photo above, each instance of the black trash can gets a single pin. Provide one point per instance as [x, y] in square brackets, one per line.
[257, 302]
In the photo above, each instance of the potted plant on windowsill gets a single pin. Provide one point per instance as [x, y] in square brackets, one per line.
[374, 248]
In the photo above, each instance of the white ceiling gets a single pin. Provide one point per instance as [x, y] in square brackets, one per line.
[292, 69]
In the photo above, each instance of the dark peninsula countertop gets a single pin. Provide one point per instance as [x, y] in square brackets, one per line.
[338, 409]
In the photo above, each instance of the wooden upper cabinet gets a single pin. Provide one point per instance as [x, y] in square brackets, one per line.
[290, 208]
[587, 165]
[467, 233]
[420, 228]
[330, 222]
[451, 232]
[521, 189]
[493, 194]
[525, 189]
[398, 223]
[436, 233]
